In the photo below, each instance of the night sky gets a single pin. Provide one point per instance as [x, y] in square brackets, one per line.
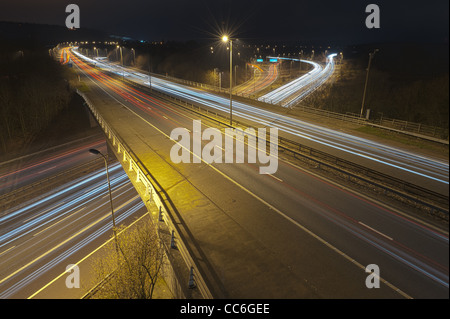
[322, 21]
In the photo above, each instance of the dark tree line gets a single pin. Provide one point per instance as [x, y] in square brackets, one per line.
[405, 82]
[32, 92]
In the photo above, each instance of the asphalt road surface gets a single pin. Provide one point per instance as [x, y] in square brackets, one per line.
[313, 237]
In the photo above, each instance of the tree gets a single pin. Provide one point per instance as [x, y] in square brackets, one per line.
[133, 269]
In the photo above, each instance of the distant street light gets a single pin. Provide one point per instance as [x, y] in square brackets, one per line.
[97, 152]
[226, 39]
[367, 78]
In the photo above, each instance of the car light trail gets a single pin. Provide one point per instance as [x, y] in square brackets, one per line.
[292, 92]
[259, 83]
[56, 213]
[65, 155]
[65, 214]
[285, 91]
[67, 253]
[362, 148]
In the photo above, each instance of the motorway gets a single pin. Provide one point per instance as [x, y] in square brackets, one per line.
[263, 77]
[288, 235]
[34, 167]
[64, 221]
[414, 168]
[42, 236]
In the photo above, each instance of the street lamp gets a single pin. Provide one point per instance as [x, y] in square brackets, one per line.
[97, 152]
[226, 39]
[367, 78]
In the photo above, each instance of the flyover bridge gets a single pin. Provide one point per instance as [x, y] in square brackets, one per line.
[292, 234]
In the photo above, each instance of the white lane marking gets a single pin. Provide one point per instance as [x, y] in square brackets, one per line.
[37, 215]
[376, 231]
[72, 214]
[279, 179]
[46, 169]
[7, 250]
[85, 257]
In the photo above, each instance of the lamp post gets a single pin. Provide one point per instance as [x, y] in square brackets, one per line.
[97, 152]
[254, 80]
[134, 56]
[149, 68]
[121, 60]
[367, 78]
[226, 39]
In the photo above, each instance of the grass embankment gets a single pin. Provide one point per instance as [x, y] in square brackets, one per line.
[409, 141]
[38, 106]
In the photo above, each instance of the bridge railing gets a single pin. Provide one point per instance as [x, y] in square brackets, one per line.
[423, 129]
